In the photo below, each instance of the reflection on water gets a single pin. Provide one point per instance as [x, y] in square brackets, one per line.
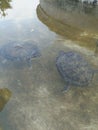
[83, 6]
[68, 30]
[4, 5]
[37, 102]
[86, 23]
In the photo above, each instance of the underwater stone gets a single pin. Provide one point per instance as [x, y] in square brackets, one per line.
[5, 95]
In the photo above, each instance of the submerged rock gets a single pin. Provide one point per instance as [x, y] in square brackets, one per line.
[5, 95]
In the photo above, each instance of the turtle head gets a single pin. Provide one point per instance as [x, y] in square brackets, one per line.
[61, 53]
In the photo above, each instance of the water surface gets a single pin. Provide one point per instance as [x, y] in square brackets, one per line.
[37, 102]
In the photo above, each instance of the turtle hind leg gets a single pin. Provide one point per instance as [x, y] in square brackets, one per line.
[66, 88]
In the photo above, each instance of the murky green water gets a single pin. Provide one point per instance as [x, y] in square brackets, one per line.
[37, 102]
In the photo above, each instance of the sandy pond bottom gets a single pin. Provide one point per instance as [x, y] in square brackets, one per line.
[37, 102]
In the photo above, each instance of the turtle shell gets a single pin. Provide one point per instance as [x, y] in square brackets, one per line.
[19, 52]
[74, 68]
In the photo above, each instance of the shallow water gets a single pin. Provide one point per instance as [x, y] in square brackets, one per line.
[37, 102]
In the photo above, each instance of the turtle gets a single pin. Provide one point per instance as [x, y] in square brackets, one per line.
[19, 52]
[74, 69]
